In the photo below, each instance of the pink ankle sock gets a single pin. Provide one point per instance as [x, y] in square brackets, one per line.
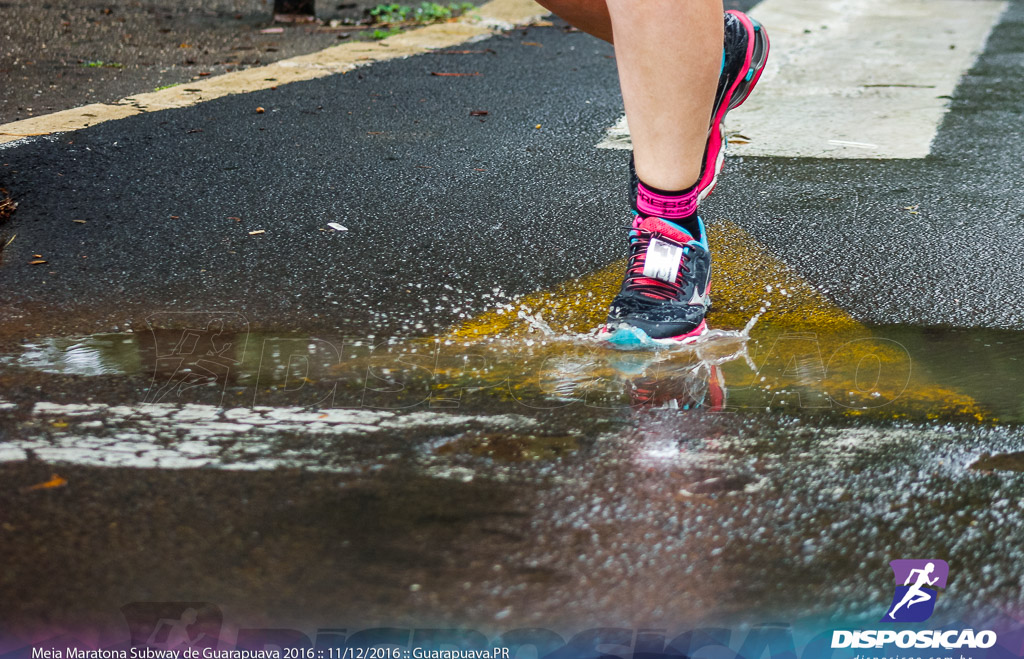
[668, 206]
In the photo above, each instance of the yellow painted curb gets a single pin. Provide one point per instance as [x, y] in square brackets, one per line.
[489, 18]
[68, 120]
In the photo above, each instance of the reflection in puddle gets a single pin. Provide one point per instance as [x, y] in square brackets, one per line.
[99, 354]
[891, 372]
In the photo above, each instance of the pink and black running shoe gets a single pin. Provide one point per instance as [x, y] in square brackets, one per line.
[666, 291]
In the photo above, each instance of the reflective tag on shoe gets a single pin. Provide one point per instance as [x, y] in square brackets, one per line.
[662, 261]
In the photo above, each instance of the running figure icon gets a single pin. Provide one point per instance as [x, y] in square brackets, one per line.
[916, 594]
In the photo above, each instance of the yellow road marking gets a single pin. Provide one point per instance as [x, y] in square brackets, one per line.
[742, 273]
[489, 18]
[806, 343]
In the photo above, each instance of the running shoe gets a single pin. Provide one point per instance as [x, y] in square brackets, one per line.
[666, 292]
[700, 386]
[744, 54]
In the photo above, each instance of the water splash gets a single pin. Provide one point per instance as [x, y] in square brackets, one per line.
[536, 322]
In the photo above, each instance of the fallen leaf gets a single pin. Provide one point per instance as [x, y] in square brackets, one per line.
[256, 233]
[55, 481]
[452, 75]
[7, 205]
[533, 43]
[59, 424]
[236, 219]
[78, 221]
[478, 113]
[375, 132]
[272, 30]
[260, 110]
[38, 256]
[37, 262]
[336, 226]
[537, 126]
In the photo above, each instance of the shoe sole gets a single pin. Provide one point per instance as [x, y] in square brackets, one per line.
[758, 46]
[627, 337]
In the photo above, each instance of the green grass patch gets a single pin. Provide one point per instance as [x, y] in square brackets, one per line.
[384, 34]
[426, 12]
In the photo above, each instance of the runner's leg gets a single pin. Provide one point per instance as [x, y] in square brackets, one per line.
[669, 56]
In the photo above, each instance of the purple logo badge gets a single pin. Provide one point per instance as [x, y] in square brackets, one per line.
[917, 585]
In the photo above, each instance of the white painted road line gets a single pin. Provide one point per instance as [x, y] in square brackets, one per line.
[855, 78]
[166, 436]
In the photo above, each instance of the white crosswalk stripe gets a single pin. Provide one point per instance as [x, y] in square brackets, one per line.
[854, 78]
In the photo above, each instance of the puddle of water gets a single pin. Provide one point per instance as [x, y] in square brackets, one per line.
[804, 356]
[890, 372]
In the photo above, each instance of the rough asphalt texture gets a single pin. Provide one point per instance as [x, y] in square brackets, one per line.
[634, 518]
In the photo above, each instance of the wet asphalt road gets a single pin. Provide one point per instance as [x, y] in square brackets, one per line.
[391, 152]
[443, 204]
[504, 508]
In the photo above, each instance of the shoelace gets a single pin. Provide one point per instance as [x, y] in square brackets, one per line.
[653, 288]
